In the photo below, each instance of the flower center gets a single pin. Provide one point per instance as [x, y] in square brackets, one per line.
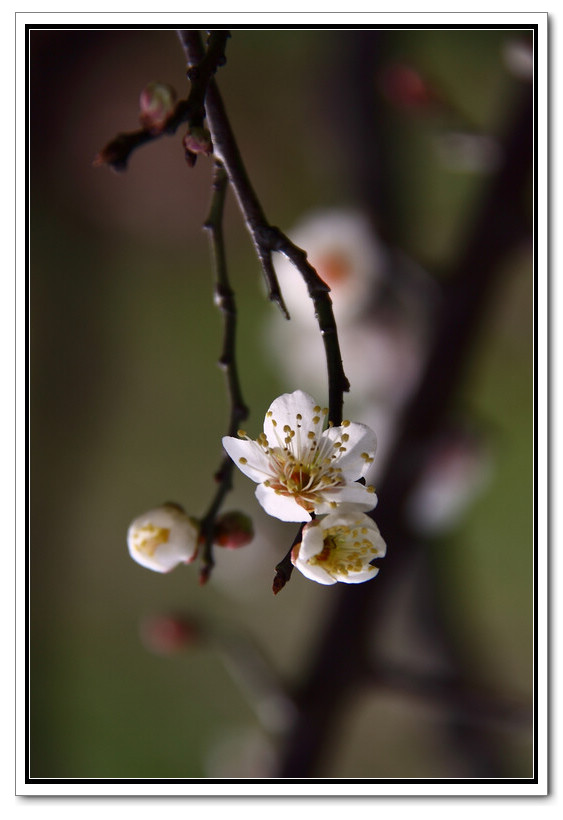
[333, 267]
[345, 550]
[302, 480]
[150, 538]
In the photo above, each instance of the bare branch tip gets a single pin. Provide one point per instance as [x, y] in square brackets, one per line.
[278, 299]
[279, 583]
[204, 575]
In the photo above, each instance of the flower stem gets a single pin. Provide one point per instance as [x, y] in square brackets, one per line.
[285, 566]
[225, 300]
[266, 238]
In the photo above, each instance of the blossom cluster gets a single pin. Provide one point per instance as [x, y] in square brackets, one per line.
[305, 469]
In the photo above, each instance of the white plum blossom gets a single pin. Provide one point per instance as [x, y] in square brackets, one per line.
[339, 547]
[301, 468]
[343, 249]
[163, 538]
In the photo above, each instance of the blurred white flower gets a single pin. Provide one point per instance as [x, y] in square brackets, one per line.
[163, 538]
[382, 359]
[339, 547]
[381, 306]
[243, 752]
[299, 467]
[470, 153]
[519, 59]
[342, 247]
[458, 470]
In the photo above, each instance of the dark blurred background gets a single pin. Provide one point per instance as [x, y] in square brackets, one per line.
[127, 403]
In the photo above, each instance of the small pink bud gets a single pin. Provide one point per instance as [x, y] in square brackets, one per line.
[168, 634]
[407, 88]
[233, 530]
[197, 140]
[156, 105]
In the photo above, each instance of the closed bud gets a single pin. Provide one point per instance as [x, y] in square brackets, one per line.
[233, 530]
[406, 88]
[168, 634]
[156, 104]
[197, 140]
[163, 538]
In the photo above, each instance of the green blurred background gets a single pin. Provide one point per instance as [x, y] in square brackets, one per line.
[127, 404]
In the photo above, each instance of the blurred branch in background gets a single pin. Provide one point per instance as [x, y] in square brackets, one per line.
[338, 661]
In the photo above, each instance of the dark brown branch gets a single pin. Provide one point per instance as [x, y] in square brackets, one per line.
[268, 239]
[285, 566]
[225, 300]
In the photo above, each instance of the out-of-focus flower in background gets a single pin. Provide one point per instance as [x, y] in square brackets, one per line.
[345, 252]
[339, 547]
[518, 57]
[244, 753]
[458, 470]
[468, 152]
[162, 538]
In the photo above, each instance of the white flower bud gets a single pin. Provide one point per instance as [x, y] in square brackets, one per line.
[163, 538]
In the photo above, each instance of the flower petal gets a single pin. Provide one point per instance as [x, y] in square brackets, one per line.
[280, 506]
[356, 495]
[314, 572]
[359, 577]
[300, 560]
[359, 443]
[288, 410]
[249, 458]
[312, 543]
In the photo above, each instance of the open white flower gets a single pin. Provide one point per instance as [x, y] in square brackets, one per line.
[299, 467]
[163, 538]
[339, 547]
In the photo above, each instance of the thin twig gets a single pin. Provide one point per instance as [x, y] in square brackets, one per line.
[117, 152]
[285, 566]
[225, 300]
[268, 239]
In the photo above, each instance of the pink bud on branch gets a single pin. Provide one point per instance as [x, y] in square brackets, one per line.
[233, 530]
[156, 105]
